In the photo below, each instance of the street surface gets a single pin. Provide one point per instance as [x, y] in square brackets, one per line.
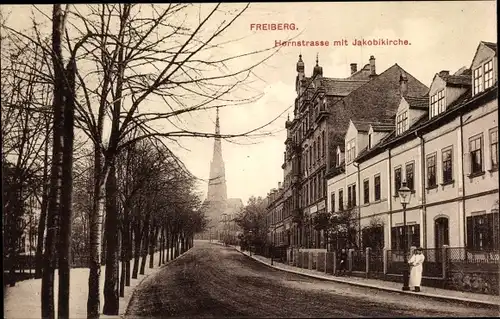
[215, 281]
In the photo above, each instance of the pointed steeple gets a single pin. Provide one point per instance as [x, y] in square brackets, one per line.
[217, 191]
[217, 125]
[318, 70]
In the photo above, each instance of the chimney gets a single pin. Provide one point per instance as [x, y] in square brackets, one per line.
[403, 84]
[372, 66]
[444, 73]
[354, 68]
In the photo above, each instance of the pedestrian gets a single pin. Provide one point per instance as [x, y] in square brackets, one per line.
[416, 263]
[342, 262]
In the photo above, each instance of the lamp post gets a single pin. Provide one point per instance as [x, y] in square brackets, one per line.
[272, 246]
[250, 232]
[404, 196]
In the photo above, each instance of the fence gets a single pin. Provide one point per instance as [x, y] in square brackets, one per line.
[395, 261]
[358, 260]
[376, 261]
[455, 268]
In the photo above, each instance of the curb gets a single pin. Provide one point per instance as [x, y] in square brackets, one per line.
[469, 302]
[121, 315]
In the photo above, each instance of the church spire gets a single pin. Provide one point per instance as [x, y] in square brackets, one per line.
[217, 125]
[217, 191]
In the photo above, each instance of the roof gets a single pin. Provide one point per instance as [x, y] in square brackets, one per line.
[423, 121]
[341, 87]
[457, 80]
[379, 98]
[363, 73]
[364, 126]
[490, 45]
[418, 103]
[383, 127]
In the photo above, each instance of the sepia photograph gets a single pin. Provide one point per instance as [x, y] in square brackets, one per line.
[250, 160]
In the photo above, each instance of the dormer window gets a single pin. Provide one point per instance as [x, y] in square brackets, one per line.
[351, 150]
[483, 77]
[437, 104]
[478, 80]
[402, 122]
[488, 74]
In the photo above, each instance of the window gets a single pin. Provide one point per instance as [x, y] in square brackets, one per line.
[494, 148]
[401, 122]
[483, 231]
[332, 196]
[351, 150]
[341, 199]
[447, 166]
[376, 181]
[366, 189]
[437, 103]
[488, 74]
[338, 158]
[476, 154]
[397, 180]
[431, 170]
[412, 233]
[478, 80]
[314, 153]
[351, 196]
[410, 168]
[323, 145]
[369, 141]
[318, 148]
[310, 158]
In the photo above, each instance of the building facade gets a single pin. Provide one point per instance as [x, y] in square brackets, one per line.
[444, 146]
[323, 107]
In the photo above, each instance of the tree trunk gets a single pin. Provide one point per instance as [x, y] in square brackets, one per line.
[137, 248]
[111, 293]
[152, 246]
[66, 194]
[146, 243]
[171, 245]
[129, 254]
[43, 209]
[95, 221]
[168, 244]
[162, 251]
[47, 293]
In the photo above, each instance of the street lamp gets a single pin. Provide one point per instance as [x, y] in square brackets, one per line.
[404, 196]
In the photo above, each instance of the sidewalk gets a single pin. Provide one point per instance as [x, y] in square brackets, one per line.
[474, 299]
[23, 300]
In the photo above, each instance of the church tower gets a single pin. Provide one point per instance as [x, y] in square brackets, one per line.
[216, 202]
[219, 210]
[217, 191]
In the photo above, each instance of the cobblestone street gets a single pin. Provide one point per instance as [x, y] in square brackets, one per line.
[212, 280]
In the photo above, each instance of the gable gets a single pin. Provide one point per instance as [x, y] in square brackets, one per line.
[351, 133]
[483, 54]
[437, 85]
[403, 105]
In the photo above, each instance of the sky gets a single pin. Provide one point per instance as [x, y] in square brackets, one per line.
[443, 35]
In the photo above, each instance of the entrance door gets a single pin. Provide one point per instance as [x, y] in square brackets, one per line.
[441, 235]
[441, 232]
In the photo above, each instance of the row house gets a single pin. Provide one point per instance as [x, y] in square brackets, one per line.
[444, 146]
[322, 111]
[275, 215]
[307, 143]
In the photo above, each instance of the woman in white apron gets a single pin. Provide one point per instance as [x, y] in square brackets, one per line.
[416, 262]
